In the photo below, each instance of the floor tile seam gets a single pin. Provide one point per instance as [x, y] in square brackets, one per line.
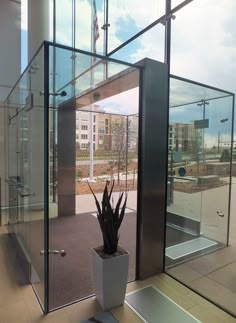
[216, 281]
[210, 272]
[205, 303]
[230, 263]
[203, 295]
[186, 289]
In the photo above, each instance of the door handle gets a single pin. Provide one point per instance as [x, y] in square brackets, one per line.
[54, 252]
[221, 214]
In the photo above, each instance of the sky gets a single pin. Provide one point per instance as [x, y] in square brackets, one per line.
[203, 38]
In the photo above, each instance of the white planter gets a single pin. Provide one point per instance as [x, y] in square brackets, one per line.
[110, 279]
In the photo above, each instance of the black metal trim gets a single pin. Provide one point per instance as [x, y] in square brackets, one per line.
[76, 50]
[106, 13]
[200, 84]
[167, 61]
[168, 35]
[46, 177]
[153, 24]
[139, 179]
[196, 102]
[166, 187]
[231, 169]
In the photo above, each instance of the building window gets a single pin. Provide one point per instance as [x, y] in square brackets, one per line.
[84, 127]
[84, 116]
[84, 136]
[94, 137]
[94, 128]
[94, 118]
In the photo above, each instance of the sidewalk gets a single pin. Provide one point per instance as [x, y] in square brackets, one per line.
[85, 202]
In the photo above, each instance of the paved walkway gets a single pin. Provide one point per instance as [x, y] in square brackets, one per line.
[85, 202]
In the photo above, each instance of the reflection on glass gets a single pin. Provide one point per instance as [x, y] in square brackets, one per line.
[25, 112]
[175, 3]
[64, 22]
[93, 137]
[83, 25]
[144, 46]
[199, 175]
[127, 18]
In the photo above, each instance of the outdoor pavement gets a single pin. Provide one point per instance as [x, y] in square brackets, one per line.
[85, 202]
[200, 206]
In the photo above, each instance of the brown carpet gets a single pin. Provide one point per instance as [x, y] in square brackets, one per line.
[70, 276]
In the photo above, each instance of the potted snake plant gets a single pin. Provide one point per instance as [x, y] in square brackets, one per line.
[109, 261]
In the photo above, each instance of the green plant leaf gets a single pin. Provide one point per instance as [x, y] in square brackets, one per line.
[122, 213]
[109, 219]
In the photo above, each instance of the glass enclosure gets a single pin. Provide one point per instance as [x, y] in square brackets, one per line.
[25, 174]
[84, 130]
[199, 179]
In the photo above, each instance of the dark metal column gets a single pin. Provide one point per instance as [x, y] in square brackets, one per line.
[152, 169]
[66, 159]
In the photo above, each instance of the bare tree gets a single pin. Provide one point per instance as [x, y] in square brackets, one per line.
[119, 145]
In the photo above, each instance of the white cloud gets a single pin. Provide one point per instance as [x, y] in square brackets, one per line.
[203, 35]
[200, 43]
[24, 10]
[125, 103]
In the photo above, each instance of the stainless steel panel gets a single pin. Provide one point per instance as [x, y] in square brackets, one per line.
[152, 168]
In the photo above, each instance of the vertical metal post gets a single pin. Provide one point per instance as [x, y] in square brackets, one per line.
[54, 113]
[168, 34]
[127, 151]
[106, 13]
[231, 166]
[152, 169]
[46, 179]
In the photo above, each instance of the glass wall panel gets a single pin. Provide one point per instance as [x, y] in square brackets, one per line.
[175, 3]
[84, 23]
[64, 22]
[208, 59]
[75, 24]
[198, 202]
[94, 141]
[36, 151]
[25, 111]
[127, 18]
[150, 44]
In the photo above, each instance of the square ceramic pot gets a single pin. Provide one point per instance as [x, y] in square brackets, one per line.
[110, 279]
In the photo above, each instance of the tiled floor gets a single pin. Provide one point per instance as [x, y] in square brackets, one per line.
[18, 303]
[214, 275]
